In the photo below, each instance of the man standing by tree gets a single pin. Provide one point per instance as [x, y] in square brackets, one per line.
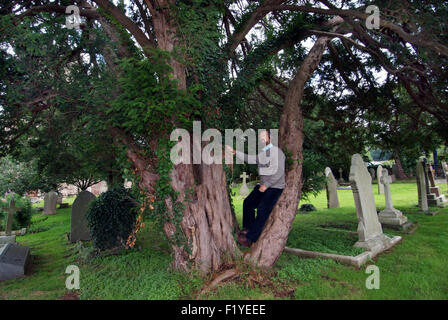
[271, 168]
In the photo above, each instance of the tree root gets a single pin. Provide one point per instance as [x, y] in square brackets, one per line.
[226, 275]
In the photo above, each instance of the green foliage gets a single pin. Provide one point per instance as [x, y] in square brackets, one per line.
[307, 207]
[111, 218]
[18, 177]
[148, 95]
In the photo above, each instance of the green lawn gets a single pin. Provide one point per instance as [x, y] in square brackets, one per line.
[414, 269]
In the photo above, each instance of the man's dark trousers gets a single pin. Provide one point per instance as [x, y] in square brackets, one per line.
[264, 202]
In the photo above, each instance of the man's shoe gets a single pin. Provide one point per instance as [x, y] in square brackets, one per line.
[242, 240]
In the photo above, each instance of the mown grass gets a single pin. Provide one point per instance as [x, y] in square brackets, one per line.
[414, 269]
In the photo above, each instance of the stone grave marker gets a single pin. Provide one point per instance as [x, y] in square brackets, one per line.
[379, 172]
[9, 237]
[244, 190]
[370, 232]
[332, 189]
[421, 186]
[50, 202]
[79, 229]
[435, 197]
[372, 173]
[14, 261]
[390, 216]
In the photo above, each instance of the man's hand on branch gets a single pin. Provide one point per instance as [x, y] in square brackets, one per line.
[230, 149]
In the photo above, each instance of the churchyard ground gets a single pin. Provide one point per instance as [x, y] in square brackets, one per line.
[414, 269]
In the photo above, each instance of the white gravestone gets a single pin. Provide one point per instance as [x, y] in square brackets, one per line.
[332, 189]
[390, 215]
[370, 232]
[244, 190]
[379, 172]
[421, 186]
[50, 202]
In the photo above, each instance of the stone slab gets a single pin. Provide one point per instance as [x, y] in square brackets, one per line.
[14, 261]
[7, 239]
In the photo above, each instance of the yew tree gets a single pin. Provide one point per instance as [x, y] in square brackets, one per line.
[136, 70]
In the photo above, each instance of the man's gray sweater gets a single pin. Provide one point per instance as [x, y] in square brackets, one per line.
[271, 166]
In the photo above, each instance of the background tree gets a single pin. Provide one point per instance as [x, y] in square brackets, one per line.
[142, 69]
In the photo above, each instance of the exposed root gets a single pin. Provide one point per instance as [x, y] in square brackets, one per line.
[226, 275]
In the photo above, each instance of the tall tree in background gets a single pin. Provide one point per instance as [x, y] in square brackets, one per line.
[138, 72]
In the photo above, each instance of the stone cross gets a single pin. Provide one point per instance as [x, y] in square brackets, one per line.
[340, 175]
[386, 180]
[390, 215]
[244, 190]
[11, 212]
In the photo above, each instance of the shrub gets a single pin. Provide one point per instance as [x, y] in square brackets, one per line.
[22, 218]
[307, 207]
[111, 218]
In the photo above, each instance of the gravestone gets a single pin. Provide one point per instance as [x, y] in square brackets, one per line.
[50, 202]
[372, 173]
[421, 186]
[370, 232]
[244, 190]
[432, 181]
[395, 170]
[341, 180]
[14, 261]
[390, 216]
[435, 198]
[79, 229]
[379, 172]
[445, 172]
[332, 189]
[9, 237]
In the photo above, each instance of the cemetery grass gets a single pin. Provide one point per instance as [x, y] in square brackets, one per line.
[414, 269]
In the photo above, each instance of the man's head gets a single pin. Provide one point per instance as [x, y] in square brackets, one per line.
[264, 136]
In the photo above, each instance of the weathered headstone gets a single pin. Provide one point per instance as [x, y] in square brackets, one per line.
[390, 216]
[14, 261]
[432, 181]
[11, 212]
[435, 198]
[50, 202]
[372, 173]
[379, 172]
[9, 237]
[341, 180]
[244, 190]
[421, 186]
[370, 232]
[332, 189]
[79, 229]
[395, 170]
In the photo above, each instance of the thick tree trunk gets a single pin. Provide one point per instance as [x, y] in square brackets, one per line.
[266, 251]
[208, 221]
[400, 171]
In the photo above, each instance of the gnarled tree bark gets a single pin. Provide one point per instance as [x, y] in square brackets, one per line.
[266, 251]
